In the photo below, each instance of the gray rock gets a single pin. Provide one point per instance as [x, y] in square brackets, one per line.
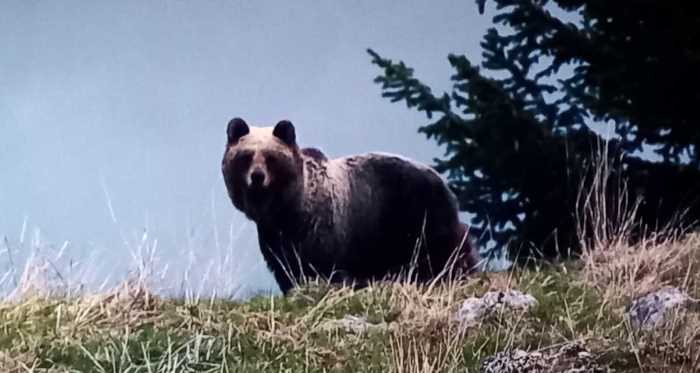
[473, 309]
[570, 358]
[352, 324]
[652, 309]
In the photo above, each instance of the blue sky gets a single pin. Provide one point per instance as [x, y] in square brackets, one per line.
[127, 102]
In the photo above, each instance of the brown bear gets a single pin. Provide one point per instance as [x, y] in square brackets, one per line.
[358, 218]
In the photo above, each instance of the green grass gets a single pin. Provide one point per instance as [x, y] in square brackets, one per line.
[129, 330]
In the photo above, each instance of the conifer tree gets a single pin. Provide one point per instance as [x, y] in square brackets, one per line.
[516, 130]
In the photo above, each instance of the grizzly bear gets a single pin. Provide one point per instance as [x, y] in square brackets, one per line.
[354, 219]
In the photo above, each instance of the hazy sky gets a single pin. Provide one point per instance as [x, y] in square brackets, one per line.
[130, 99]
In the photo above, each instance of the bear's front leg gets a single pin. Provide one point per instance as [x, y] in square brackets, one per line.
[271, 248]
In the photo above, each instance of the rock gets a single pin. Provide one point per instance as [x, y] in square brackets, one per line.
[474, 308]
[514, 361]
[352, 324]
[650, 310]
[570, 358]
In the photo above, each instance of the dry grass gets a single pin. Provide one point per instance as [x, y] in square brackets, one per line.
[623, 260]
[635, 270]
[617, 258]
[129, 329]
[620, 272]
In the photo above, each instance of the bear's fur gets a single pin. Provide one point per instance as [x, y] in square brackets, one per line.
[356, 218]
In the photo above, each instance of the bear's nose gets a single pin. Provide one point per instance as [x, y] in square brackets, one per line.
[257, 178]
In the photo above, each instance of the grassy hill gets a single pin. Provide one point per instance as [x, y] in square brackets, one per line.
[387, 327]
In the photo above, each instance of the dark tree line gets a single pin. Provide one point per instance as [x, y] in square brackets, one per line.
[517, 130]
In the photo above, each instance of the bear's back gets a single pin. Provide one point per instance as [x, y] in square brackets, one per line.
[392, 202]
[396, 180]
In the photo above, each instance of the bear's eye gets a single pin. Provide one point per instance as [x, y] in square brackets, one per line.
[243, 159]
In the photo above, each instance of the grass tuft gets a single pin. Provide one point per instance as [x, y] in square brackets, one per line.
[411, 328]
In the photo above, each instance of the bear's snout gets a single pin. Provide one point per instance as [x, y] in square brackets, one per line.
[257, 178]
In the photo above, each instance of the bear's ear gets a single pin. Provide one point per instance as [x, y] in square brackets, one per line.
[284, 130]
[237, 128]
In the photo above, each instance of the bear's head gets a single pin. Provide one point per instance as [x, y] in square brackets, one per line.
[263, 169]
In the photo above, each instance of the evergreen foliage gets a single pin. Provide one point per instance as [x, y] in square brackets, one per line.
[517, 129]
